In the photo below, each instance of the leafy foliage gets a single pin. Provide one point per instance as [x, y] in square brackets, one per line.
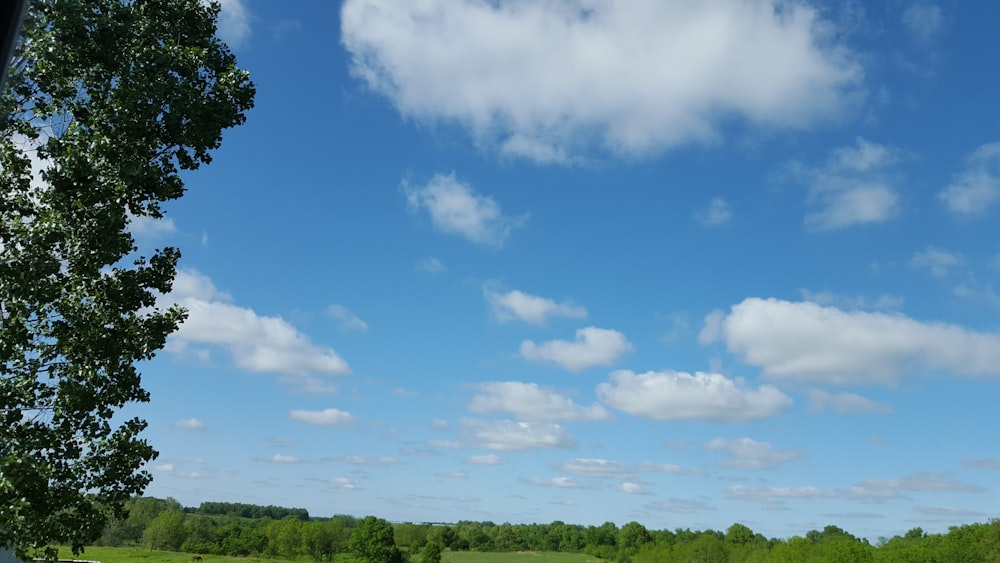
[373, 541]
[106, 103]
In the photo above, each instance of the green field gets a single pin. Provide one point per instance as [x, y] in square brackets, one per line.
[130, 554]
[520, 557]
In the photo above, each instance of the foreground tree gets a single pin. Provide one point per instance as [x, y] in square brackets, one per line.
[106, 103]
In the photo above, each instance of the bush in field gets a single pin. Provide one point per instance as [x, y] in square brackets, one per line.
[431, 553]
[166, 531]
[373, 541]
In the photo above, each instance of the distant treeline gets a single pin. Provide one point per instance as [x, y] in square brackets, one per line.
[250, 510]
[223, 529]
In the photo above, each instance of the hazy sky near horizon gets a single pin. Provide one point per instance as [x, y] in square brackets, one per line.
[687, 263]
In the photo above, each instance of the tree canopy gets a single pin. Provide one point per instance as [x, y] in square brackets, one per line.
[106, 103]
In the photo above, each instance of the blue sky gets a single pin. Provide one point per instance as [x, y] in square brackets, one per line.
[686, 263]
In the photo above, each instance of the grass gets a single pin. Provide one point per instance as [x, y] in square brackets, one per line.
[520, 556]
[143, 555]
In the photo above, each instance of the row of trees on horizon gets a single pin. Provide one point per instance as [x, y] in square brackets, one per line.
[243, 530]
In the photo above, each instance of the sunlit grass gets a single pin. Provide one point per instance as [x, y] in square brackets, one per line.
[130, 554]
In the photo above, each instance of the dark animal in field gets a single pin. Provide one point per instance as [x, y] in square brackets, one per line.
[196, 558]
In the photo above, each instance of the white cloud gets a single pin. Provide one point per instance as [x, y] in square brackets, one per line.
[746, 453]
[430, 265]
[682, 506]
[846, 403]
[977, 188]
[673, 395]
[532, 403]
[325, 417]
[511, 436]
[307, 385]
[190, 424]
[439, 423]
[947, 512]
[592, 347]
[257, 343]
[937, 261]
[348, 320]
[671, 468]
[877, 490]
[455, 208]
[377, 461]
[234, 23]
[632, 488]
[149, 227]
[519, 306]
[854, 187]
[551, 80]
[342, 483]
[445, 444]
[488, 459]
[281, 458]
[774, 495]
[453, 474]
[983, 463]
[594, 467]
[923, 20]
[164, 467]
[982, 294]
[557, 482]
[807, 342]
[881, 302]
[718, 212]
[400, 392]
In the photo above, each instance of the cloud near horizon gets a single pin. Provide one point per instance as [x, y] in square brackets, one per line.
[806, 342]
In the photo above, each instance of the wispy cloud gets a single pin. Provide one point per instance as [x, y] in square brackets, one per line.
[846, 403]
[594, 467]
[923, 20]
[149, 227]
[717, 213]
[855, 186]
[430, 265]
[557, 482]
[774, 495]
[682, 506]
[488, 459]
[346, 319]
[937, 261]
[882, 302]
[533, 403]
[511, 436]
[325, 417]
[190, 424]
[977, 188]
[519, 306]
[455, 208]
[746, 453]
